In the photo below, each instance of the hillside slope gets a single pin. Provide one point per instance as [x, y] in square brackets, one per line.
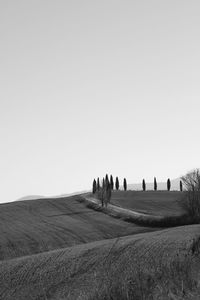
[34, 226]
[160, 203]
[82, 271]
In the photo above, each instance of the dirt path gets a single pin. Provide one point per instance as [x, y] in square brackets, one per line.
[122, 211]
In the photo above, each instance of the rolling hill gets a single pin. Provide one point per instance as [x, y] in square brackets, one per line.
[33, 226]
[94, 270]
[58, 248]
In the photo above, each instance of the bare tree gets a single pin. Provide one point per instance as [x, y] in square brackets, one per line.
[105, 192]
[101, 195]
[108, 193]
[191, 182]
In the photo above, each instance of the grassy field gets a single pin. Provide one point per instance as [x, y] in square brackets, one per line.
[34, 226]
[62, 249]
[142, 265]
[162, 203]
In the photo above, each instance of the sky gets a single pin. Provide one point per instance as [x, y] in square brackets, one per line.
[94, 87]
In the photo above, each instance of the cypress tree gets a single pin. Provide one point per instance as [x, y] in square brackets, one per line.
[181, 186]
[168, 184]
[111, 182]
[155, 184]
[106, 180]
[143, 185]
[117, 184]
[125, 184]
[103, 183]
[98, 184]
[94, 186]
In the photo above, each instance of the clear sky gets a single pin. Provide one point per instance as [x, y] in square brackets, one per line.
[93, 87]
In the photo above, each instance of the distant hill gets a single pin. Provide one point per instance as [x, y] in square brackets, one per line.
[30, 197]
[35, 197]
[160, 185]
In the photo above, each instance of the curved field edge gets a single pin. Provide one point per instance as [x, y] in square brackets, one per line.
[137, 217]
[143, 266]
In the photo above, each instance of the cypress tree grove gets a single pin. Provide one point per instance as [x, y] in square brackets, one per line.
[155, 184]
[168, 184]
[181, 186]
[111, 182]
[94, 186]
[98, 184]
[125, 184]
[117, 184]
[143, 185]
